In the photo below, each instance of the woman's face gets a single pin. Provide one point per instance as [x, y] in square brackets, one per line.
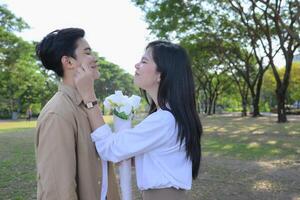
[146, 75]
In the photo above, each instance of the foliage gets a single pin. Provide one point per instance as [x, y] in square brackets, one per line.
[113, 78]
[238, 36]
[26, 83]
[269, 85]
[20, 79]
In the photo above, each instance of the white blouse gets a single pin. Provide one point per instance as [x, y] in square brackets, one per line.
[160, 161]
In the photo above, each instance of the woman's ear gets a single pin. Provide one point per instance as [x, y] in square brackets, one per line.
[158, 77]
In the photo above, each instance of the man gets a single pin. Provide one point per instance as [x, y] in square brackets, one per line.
[68, 166]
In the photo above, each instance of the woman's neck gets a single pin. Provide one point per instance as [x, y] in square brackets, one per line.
[153, 94]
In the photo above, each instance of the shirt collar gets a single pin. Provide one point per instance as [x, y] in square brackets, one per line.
[70, 92]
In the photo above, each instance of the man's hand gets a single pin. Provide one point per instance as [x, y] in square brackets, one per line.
[84, 83]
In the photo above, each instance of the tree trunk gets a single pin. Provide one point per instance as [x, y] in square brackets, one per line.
[281, 89]
[280, 94]
[256, 112]
[255, 104]
[214, 107]
[244, 105]
[205, 106]
[210, 105]
[198, 102]
[215, 104]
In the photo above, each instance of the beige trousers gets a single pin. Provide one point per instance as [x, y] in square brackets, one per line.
[164, 194]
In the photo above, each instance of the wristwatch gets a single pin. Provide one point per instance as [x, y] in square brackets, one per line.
[90, 104]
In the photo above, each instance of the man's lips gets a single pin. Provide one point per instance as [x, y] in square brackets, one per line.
[94, 66]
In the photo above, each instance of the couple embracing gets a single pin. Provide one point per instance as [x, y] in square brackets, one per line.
[73, 142]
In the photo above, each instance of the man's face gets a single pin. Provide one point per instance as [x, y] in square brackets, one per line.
[84, 56]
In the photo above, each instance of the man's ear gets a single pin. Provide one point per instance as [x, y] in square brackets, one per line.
[67, 62]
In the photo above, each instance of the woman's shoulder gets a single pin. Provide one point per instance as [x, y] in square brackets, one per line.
[163, 116]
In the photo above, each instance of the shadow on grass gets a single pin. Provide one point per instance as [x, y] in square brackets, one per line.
[250, 138]
[249, 149]
[230, 179]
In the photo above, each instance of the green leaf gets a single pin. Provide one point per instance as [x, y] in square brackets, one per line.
[121, 115]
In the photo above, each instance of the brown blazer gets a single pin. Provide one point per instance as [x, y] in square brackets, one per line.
[68, 166]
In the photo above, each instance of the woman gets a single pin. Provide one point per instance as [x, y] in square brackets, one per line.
[166, 145]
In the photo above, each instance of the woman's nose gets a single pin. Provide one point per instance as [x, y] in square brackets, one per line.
[137, 65]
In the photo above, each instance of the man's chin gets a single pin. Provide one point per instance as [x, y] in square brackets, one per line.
[96, 75]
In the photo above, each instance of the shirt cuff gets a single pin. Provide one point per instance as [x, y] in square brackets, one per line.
[101, 133]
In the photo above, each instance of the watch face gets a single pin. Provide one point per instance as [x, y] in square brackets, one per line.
[89, 105]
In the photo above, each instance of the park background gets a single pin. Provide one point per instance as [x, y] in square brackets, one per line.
[249, 106]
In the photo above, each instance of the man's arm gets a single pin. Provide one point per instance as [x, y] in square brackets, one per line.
[56, 158]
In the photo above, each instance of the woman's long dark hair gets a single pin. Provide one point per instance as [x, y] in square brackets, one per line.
[177, 90]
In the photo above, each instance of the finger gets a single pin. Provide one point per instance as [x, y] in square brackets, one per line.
[77, 73]
[85, 68]
[79, 70]
[82, 67]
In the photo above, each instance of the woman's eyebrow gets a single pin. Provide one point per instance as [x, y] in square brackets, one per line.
[145, 58]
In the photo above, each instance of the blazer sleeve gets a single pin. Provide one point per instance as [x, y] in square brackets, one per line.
[151, 133]
[56, 158]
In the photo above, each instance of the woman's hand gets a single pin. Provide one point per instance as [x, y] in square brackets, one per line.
[84, 83]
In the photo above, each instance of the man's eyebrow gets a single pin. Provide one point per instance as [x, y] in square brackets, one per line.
[87, 49]
[145, 58]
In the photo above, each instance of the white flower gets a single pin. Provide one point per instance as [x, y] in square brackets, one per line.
[122, 105]
[118, 93]
[134, 101]
[115, 98]
[106, 104]
[127, 109]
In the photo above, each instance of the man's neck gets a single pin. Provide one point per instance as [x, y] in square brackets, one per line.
[68, 81]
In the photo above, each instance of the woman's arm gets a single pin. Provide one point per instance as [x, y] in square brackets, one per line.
[151, 133]
[95, 117]
[84, 83]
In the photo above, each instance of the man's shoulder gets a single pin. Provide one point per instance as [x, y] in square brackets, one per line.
[60, 104]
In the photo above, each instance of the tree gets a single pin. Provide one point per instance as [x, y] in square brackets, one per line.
[15, 61]
[113, 78]
[278, 21]
[23, 79]
[219, 35]
[294, 91]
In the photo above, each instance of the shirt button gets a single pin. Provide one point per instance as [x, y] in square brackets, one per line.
[99, 159]
[99, 182]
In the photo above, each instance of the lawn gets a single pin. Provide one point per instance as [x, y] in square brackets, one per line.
[251, 139]
[244, 158]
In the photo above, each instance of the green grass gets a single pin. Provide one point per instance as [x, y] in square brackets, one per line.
[251, 149]
[232, 137]
[17, 165]
[251, 138]
[11, 126]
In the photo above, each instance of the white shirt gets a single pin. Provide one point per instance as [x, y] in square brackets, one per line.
[160, 161]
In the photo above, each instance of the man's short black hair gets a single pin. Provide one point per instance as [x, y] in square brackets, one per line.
[57, 44]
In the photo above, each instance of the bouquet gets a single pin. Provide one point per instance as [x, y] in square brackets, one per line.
[123, 108]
